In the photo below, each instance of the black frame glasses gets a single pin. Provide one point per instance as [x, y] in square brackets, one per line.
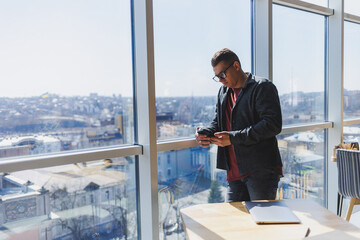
[222, 75]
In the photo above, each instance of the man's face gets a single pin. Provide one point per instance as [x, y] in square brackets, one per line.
[230, 80]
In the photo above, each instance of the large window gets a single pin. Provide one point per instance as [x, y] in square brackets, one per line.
[90, 200]
[67, 99]
[351, 70]
[187, 177]
[66, 70]
[298, 52]
[187, 34]
[303, 156]
[66, 74]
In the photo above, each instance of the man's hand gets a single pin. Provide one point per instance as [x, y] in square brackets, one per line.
[221, 139]
[202, 139]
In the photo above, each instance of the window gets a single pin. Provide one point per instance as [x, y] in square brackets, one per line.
[303, 157]
[185, 92]
[55, 191]
[186, 184]
[68, 73]
[66, 70]
[351, 70]
[67, 78]
[351, 134]
[168, 157]
[298, 53]
[107, 195]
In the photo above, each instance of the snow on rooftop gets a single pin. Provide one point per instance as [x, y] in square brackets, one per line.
[304, 137]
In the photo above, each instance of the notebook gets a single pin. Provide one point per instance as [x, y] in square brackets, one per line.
[271, 212]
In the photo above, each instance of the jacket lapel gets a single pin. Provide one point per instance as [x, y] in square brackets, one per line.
[248, 81]
[223, 108]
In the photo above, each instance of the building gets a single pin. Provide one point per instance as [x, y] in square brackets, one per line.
[76, 204]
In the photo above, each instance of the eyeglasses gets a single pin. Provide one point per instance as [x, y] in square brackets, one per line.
[222, 75]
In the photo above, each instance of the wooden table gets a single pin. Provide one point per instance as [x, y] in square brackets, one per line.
[218, 221]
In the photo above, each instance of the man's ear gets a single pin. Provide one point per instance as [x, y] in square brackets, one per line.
[237, 65]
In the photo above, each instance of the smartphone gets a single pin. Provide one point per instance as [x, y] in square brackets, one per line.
[205, 132]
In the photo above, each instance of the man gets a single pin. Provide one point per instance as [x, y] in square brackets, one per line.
[248, 117]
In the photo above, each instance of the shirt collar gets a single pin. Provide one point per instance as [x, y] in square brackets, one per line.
[249, 80]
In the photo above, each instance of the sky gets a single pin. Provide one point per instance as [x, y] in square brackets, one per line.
[298, 50]
[65, 47]
[80, 47]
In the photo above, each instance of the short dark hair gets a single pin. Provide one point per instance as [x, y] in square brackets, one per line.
[225, 55]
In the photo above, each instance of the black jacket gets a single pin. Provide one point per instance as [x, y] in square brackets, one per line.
[255, 121]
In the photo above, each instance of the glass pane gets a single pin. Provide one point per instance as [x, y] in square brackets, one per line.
[187, 177]
[352, 7]
[90, 200]
[185, 91]
[351, 70]
[68, 73]
[298, 53]
[303, 156]
[351, 134]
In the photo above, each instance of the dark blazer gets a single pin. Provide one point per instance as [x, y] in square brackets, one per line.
[255, 121]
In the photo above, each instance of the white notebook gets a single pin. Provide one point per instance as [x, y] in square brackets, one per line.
[271, 212]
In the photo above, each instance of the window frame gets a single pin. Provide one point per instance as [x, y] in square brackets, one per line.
[146, 147]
